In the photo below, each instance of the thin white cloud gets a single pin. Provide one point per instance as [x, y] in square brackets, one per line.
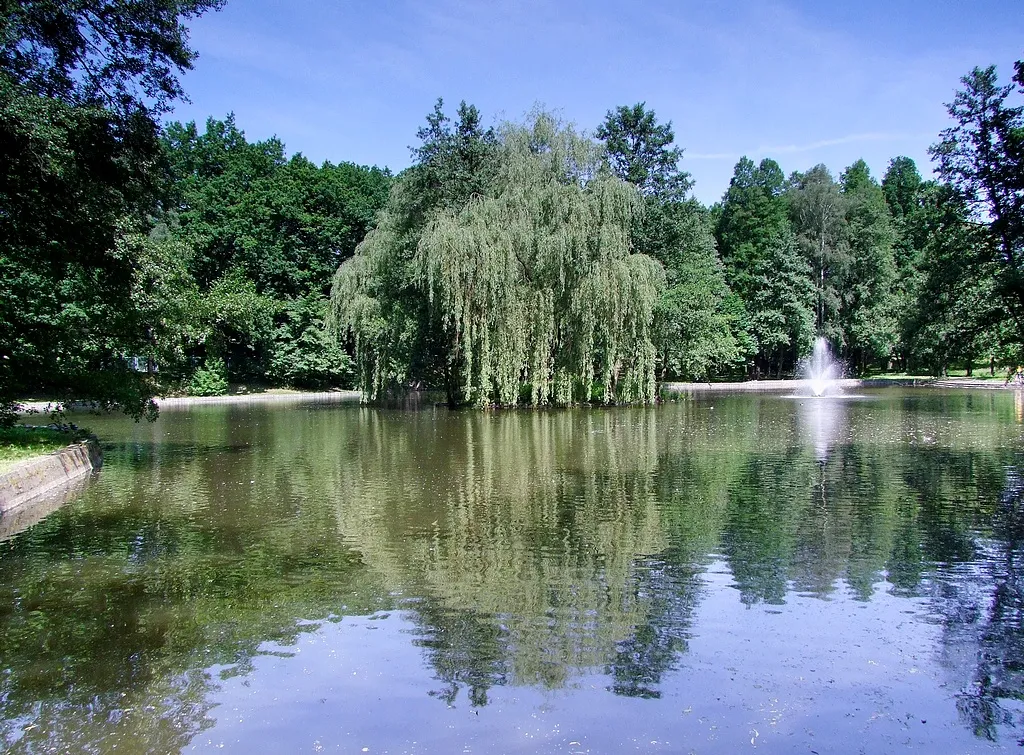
[790, 149]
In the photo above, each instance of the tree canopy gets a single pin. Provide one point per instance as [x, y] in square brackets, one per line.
[521, 264]
[79, 84]
[981, 156]
[530, 288]
[119, 55]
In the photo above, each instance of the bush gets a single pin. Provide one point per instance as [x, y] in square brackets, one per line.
[304, 355]
[210, 379]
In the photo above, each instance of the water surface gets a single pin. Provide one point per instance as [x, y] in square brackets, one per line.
[719, 574]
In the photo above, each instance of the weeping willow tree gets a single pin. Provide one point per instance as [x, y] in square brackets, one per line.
[528, 291]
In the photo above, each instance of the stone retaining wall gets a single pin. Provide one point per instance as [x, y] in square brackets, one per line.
[755, 386]
[33, 478]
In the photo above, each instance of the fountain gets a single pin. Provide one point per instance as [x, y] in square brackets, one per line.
[821, 372]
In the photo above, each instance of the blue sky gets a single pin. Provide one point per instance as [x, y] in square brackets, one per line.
[803, 82]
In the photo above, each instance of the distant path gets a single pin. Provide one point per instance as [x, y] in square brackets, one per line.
[241, 398]
[780, 386]
[755, 386]
[260, 398]
[995, 384]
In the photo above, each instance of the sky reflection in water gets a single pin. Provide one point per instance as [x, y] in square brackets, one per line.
[704, 575]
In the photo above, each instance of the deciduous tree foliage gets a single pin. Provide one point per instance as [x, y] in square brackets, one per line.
[902, 186]
[285, 222]
[122, 56]
[982, 157]
[953, 313]
[818, 212]
[641, 151]
[869, 305]
[528, 264]
[533, 286]
[765, 267]
[694, 331]
[78, 86]
[265, 234]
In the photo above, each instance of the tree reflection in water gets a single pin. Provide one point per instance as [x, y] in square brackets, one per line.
[526, 548]
[984, 612]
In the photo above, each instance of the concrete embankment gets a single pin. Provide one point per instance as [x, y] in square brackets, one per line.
[756, 386]
[33, 479]
[282, 397]
[797, 386]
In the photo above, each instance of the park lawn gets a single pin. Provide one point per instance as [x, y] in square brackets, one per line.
[20, 442]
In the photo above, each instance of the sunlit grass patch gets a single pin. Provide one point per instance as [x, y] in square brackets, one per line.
[21, 442]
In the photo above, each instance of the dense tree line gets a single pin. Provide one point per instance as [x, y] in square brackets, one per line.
[527, 263]
[533, 264]
[256, 236]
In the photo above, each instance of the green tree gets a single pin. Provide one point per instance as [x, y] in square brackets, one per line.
[237, 325]
[453, 165]
[399, 339]
[955, 314]
[118, 55]
[79, 85]
[764, 266]
[818, 210]
[286, 222]
[869, 303]
[303, 353]
[693, 330]
[166, 299]
[641, 152]
[904, 188]
[982, 157]
[531, 304]
[275, 228]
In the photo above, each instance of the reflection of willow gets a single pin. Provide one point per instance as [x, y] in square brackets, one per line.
[540, 545]
[532, 522]
[528, 546]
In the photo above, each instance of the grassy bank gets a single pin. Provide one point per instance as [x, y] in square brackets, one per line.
[22, 442]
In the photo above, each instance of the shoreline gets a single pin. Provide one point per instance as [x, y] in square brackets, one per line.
[29, 481]
[778, 386]
[170, 402]
[754, 386]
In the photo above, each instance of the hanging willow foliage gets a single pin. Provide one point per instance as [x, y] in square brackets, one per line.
[376, 301]
[532, 285]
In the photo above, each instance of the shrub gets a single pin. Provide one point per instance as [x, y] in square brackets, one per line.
[210, 379]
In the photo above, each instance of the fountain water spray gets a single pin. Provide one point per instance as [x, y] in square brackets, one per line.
[821, 371]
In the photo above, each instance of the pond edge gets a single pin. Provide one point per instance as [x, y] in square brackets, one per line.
[29, 480]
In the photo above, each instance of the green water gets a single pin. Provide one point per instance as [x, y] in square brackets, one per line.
[721, 573]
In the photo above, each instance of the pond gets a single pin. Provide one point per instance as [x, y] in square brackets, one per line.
[722, 573]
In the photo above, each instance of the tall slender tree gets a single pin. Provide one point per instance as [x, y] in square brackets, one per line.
[694, 334]
[904, 191]
[869, 304]
[765, 267]
[818, 210]
[982, 157]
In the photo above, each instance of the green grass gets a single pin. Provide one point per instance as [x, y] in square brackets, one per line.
[20, 442]
[999, 377]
